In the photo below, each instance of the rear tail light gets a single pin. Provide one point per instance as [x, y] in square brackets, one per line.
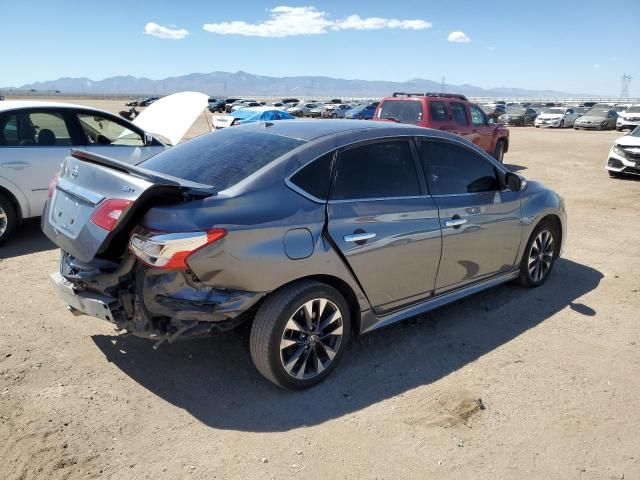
[171, 250]
[52, 185]
[109, 212]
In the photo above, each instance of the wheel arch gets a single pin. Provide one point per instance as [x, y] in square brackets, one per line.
[9, 195]
[557, 223]
[341, 286]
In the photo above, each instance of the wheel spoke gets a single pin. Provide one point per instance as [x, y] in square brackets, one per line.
[293, 359]
[319, 364]
[335, 316]
[303, 366]
[331, 353]
[296, 326]
[308, 314]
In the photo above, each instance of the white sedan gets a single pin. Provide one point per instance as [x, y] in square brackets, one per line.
[36, 136]
[559, 117]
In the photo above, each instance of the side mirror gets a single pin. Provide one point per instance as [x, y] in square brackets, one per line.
[148, 140]
[513, 182]
[491, 121]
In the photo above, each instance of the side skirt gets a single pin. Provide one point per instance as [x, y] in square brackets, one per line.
[371, 322]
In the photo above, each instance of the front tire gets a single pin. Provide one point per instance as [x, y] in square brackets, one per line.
[8, 218]
[299, 334]
[561, 124]
[540, 255]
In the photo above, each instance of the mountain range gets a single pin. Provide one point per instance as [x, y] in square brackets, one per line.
[247, 84]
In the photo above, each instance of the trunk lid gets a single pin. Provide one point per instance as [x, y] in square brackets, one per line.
[85, 182]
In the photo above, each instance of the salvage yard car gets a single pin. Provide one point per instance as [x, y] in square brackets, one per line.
[558, 117]
[624, 157]
[518, 116]
[630, 118]
[310, 230]
[35, 137]
[448, 112]
[249, 115]
[596, 119]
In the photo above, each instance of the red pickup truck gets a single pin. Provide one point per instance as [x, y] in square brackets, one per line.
[449, 112]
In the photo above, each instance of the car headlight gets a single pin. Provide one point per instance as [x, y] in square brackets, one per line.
[617, 150]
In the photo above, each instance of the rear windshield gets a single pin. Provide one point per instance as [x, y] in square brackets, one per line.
[405, 111]
[223, 158]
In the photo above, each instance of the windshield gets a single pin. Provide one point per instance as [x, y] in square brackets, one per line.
[594, 112]
[555, 111]
[515, 110]
[406, 111]
[602, 106]
[635, 109]
[223, 158]
[244, 114]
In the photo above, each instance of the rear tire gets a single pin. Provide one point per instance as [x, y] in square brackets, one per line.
[299, 334]
[540, 255]
[8, 218]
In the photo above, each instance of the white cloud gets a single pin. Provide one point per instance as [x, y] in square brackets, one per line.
[458, 37]
[291, 21]
[165, 32]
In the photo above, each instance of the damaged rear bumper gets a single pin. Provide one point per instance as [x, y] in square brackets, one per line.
[152, 303]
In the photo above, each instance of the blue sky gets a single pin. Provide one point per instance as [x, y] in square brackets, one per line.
[573, 46]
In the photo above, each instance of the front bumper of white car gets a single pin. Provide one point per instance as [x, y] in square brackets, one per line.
[547, 122]
[629, 122]
[620, 161]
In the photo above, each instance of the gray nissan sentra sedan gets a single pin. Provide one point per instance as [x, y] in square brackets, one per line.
[310, 230]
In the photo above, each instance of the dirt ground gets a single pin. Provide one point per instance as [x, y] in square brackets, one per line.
[510, 383]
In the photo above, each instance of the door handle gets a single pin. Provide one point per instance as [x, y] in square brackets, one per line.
[359, 237]
[15, 165]
[455, 222]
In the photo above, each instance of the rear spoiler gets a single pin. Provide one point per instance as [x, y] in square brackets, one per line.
[123, 167]
[194, 189]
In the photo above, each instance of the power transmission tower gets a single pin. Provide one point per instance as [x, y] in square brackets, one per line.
[624, 87]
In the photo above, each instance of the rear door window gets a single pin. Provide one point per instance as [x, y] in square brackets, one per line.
[223, 158]
[477, 116]
[459, 113]
[376, 170]
[438, 111]
[454, 170]
[405, 111]
[34, 129]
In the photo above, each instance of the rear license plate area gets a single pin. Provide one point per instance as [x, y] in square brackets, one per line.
[68, 213]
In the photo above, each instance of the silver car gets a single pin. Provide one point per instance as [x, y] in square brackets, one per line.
[36, 136]
[312, 231]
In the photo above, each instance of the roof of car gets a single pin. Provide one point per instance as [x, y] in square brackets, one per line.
[17, 104]
[313, 129]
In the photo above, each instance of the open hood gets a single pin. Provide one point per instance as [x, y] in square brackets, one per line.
[173, 115]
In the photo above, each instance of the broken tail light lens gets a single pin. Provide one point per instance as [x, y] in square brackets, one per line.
[109, 212]
[171, 250]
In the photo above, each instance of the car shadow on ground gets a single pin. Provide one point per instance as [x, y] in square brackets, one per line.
[214, 380]
[27, 238]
